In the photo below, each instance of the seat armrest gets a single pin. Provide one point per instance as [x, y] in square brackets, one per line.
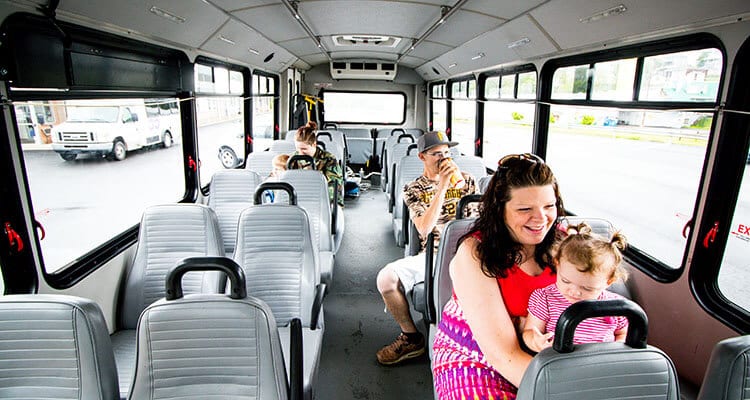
[296, 366]
[320, 294]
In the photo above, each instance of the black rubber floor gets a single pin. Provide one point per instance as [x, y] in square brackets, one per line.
[356, 326]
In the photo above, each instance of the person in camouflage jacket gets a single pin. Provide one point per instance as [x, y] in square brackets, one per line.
[305, 141]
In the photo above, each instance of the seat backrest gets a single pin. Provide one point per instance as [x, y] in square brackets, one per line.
[55, 347]
[389, 157]
[312, 196]
[484, 183]
[169, 233]
[359, 144]
[335, 149]
[276, 251]
[408, 169]
[728, 375]
[209, 346]
[283, 146]
[232, 191]
[395, 154]
[611, 370]
[472, 165]
[334, 136]
[442, 286]
[290, 135]
[261, 162]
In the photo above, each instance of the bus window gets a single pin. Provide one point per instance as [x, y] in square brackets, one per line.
[365, 108]
[79, 196]
[735, 267]
[439, 116]
[646, 163]
[508, 123]
[219, 117]
[264, 93]
[464, 115]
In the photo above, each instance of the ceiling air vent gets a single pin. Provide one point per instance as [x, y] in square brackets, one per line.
[363, 70]
[366, 40]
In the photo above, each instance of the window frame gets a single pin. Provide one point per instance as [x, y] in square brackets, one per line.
[651, 266]
[721, 198]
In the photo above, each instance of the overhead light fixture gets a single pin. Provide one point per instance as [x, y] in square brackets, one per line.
[520, 42]
[617, 10]
[226, 39]
[478, 56]
[256, 52]
[166, 14]
[452, 65]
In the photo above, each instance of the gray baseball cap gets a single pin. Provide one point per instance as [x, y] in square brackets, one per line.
[432, 139]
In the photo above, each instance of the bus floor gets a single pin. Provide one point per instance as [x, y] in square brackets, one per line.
[356, 325]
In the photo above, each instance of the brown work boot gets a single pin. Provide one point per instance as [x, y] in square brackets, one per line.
[400, 350]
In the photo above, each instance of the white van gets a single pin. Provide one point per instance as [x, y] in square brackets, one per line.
[111, 128]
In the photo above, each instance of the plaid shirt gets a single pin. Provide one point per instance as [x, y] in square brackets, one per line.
[326, 163]
[418, 195]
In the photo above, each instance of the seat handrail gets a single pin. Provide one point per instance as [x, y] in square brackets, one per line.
[288, 188]
[579, 311]
[236, 276]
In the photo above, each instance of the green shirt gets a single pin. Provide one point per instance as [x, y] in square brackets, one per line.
[326, 163]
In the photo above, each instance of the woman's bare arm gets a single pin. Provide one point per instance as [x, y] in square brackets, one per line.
[485, 311]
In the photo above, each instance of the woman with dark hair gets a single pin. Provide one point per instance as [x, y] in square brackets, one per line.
[306, 143]
[505, 256]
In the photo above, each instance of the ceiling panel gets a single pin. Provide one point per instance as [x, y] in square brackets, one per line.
[232, 5]
[201, 19]
[429, 50]
[303, 45]
[244, 39]
[561, 18]
[274, 21]
[412, 62]
[369, 17]
[501, 9]
[462, 27]
[315, 59]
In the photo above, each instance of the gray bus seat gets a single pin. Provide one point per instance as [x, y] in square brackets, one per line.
[232, 191]
[282, 146]
[276, 251]
[261, 162]
[728, 374]
[55, 347]
[599, 371]
[390, 139]
[408, 169]
[168, 233]
[204, 346]
[312, 196]
[398, 151]
[338, 138]
[359, 142]
[472, 165]
[484, 183]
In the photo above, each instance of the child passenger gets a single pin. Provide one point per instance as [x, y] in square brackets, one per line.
[587, 265]
[279, 164]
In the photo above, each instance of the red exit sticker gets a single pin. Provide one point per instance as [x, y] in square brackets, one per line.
[742, 232]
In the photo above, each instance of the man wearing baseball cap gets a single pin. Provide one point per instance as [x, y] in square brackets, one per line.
[432, 200]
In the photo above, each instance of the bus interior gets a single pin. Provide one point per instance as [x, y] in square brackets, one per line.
[640, 107]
